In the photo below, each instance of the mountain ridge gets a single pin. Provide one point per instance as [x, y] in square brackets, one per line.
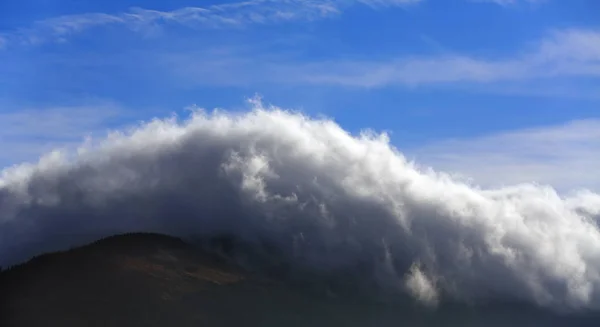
[148, 279]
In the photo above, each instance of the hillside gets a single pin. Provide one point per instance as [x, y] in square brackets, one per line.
[156, 280]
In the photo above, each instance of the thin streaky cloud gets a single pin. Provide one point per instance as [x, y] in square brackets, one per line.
[561, 155]
[57, 122]
[25, 134]
[567, 53]
[571, 44]
[233, 15]
[570, 53]
[507, 3]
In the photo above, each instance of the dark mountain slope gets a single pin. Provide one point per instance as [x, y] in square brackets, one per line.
[156, 280]
[120, 281]
[152, 280]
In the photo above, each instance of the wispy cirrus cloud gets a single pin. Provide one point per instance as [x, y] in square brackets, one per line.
[230, 15]
[25, 134]
[561, 155]
[567, 53]
[506, 3]
[573, 53]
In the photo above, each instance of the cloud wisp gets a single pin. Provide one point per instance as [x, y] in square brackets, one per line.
[230, 15]
[566, 53]
[507, 3]
[562, 156]
[328, 201]
[26, 134]
[560, 55]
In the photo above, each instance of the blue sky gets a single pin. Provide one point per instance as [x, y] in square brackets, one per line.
[502, 91]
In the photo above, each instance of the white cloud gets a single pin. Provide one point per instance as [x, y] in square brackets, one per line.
[421, 287]
[565, 156]
[230, 15]
[326, 200]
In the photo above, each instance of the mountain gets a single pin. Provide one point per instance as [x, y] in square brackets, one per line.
[157, 280]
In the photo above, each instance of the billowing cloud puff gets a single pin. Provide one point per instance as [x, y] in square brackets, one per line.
[325, 201]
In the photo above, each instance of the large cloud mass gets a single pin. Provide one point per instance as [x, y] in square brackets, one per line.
[329, 201]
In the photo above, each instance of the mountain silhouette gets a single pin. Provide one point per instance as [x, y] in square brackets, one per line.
[157, 280]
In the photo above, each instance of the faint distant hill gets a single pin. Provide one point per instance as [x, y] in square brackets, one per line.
[157, 280]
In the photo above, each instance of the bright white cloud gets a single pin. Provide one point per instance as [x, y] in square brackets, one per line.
[326, 200]
[564, 156]
[230, 15]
